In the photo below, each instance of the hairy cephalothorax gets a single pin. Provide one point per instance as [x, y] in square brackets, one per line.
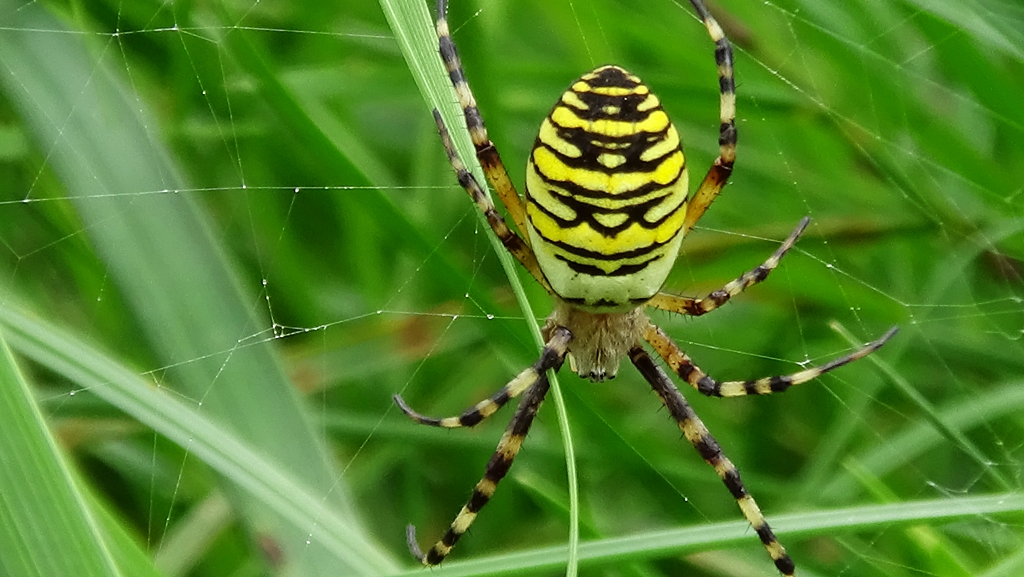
[600, 340]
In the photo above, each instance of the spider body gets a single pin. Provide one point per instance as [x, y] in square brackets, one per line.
[606, 188]
[605, 211]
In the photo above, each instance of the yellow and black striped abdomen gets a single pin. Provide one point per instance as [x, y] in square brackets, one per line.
[606, 188]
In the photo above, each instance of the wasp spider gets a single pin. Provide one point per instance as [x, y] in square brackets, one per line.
[605, 210]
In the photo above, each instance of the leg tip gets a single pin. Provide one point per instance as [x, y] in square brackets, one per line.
[442, 129]
[885, 338]
[801, 226]
[414, 547]
[405, 408]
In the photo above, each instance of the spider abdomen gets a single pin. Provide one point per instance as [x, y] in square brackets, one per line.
[606, 188]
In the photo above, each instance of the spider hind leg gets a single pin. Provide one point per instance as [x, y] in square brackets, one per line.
[551, 357]
[499, 465]
[683, 366]
[533, 384]
[697, 433]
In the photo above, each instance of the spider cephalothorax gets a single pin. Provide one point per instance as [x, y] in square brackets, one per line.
[600, 340]
[605, 211]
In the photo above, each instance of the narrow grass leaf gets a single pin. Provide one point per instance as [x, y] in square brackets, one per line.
[265, 480]
[173, 272]
[45, 526]
[675, 542]
[411, 23]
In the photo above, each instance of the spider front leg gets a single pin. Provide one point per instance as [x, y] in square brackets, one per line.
[486, 152]
[697, 307]
[510, 240]
[508, 447]
[680, 362]
[699, 436]
[719, 172]
[534, 382]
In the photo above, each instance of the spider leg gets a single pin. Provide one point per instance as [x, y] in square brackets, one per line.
[508, 447]
[512, 241]
[699, 436]
[486, 152]
[551, 357]
[682, 365]
[697, 307]
[719, 172]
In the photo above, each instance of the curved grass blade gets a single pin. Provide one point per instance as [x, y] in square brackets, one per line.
[412, 25]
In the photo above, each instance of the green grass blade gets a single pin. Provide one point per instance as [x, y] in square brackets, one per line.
[929, 411]
[412, 25]
[902, 447]
[673, 542]
[267, 481]
[186, 296]
[45, 525]
[1009, 567]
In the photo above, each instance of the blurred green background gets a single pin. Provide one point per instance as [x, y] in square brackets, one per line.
[228, 234]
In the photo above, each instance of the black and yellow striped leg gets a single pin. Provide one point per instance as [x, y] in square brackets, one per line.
[511, 241]
[722, 168]
[486, 152]
[697, 307]
[497, 468]
[695, 432]
[552, 356]
[680, 362]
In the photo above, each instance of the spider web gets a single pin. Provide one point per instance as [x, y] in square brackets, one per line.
[246, 205]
